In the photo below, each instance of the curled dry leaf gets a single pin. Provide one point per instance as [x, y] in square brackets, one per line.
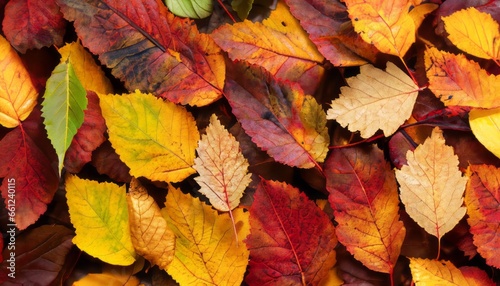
[150, 234]
[432, 186]
[375, 99]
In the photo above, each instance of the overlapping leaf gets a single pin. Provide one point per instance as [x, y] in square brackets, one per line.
[485, 124]
[17, 93]
[64, 103]
[33, 24]
[106, 279]
[98, 211]
[330, 30]
[291, 241]
[149, 48]
[385, 24]
[433, 272]
[432, 186]
[288, 125]
[155, 138]
[279, 44]
[474, 32]
[482, 200]
[223, 169]
[206, 250]
[197, 9]
[150, 235]
[364, 197]
[458, 81]
[375, 100]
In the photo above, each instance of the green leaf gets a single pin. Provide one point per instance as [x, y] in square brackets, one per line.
[197, 9]
[242, 7]
[99, 213]
[63, 104]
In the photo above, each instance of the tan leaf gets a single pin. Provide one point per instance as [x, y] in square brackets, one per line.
[222, 167]
[375, 99]
[432, 186]
[150, 235]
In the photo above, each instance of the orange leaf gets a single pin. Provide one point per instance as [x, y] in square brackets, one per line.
[385, 24]
[279, 44]
[457, 81]
[432, 186]
[482, 199]
[17, 93]
[427, 272]
[364, 197]
[150, 234]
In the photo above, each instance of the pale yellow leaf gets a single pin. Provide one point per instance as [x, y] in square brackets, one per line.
[432, 186]
[150, 234]
[17, 93]
[206, 253]
[223, 169]
[474, 32]
[485, 124]
[375, 99]
[428, 272]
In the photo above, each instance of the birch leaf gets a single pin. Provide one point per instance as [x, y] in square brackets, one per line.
[432, 186]
[375, 99]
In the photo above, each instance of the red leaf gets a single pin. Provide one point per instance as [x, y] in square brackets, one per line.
[33, 24]
[89, 136]
[107, 162]
[288, 125]
[476, 276]
[330, 28]
[40, 255]
[291, 240]
[150, 49]
[364, 197]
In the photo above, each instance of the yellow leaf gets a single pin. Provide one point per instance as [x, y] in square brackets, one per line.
[206, 251]
[457, 81]
[485, 125]
[222, 168]
[428, 272]
[150, 235]
[332, 279]
[432, 186]
[375, 100]
[107, 279]
[88, 72]
[17, 93]
[419, 12]
[385, 24]
[98, 211]
[156, 139]
[474, 32]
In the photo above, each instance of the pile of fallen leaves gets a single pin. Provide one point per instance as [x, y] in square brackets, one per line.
[322, 143]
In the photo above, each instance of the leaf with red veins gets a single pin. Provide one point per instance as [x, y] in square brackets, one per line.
[33, 24]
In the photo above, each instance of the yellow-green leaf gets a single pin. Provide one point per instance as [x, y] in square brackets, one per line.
[474, 32]
[485, 124]
[88, 72]
[375, 99]
[150, 235]
[98, 211]
[206, 252]
[156, 139]
[17, 93]
[223, 169]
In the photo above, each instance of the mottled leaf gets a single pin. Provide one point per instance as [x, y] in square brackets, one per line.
[150, 49]
[288, 125]
[279, 44]
[98, 211]
[33, 24]
[457, 81]
[206, 250]
[150, 235]
[155, 138]
[432, 186]
[291, 240]
[375, 99]
[17, 93]
[364, 197]
[482, 199]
